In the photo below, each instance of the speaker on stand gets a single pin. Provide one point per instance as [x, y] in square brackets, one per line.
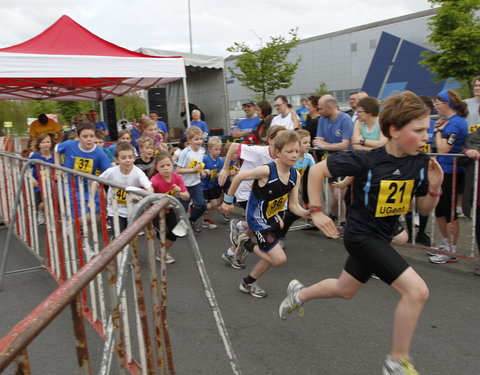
[157, 101]
[110, 118]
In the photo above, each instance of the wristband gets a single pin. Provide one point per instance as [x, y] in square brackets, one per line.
[433, 194]
[228, 199]
[313, 208]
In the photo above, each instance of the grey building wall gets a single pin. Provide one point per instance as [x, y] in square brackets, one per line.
[340, 59]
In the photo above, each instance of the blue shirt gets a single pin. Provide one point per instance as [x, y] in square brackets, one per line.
[162, 126]
[335, 131]
[303, 163]
[36, 155]
[101, 125]
[248, 124]
[302, 113]
[93, 161]
[215, 166]
[458, 126]
[200, 124]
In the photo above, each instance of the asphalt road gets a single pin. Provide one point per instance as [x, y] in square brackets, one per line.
[335, 337]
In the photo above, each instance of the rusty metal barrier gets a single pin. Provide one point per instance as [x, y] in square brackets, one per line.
[69, 244]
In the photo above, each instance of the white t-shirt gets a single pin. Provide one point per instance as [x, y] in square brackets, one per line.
[136, 178]
[284, 121]
[253, 156]
[473, 117]
[188, 159]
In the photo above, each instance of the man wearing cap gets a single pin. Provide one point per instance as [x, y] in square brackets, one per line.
[249, 123]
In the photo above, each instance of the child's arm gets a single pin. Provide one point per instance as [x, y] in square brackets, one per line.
[344, 183]
[56, 157]
[181, 170]
[223, 174]
[253, 174]
[293, 204]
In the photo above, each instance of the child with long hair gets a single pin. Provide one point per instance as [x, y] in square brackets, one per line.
[165, 181]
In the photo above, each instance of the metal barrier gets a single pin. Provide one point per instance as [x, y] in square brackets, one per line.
[94, 281]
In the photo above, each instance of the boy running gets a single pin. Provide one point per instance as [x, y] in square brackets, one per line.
[274, 184]
[385, 181]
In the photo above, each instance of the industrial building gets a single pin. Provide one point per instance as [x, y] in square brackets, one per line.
[380, 58]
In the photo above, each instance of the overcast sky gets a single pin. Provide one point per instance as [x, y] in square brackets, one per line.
[216, 24]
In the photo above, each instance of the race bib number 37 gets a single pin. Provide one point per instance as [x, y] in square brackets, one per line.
[394, 197]
[83, 165]
[275, 206]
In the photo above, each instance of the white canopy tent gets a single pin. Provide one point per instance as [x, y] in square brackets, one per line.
[68, 62]
[206, 87]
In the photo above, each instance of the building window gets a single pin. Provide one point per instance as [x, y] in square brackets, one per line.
[353, 47]
[373, 43]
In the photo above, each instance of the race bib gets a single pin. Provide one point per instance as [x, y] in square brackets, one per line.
[276, 205]
[171, 192]
[301, 171]
[121, 196]
[83, 165]
[213, 174]
[394, 197]
[472, 128]
[427, 148]
[194, 163]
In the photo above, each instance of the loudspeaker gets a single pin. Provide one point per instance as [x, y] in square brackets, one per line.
[157, 101]
[110, 118]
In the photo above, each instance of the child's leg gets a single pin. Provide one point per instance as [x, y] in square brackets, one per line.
[211, 206]
[414, 294]
[199, 204]
[346, 286]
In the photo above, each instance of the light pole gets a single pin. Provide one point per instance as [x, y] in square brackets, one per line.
[190, 26]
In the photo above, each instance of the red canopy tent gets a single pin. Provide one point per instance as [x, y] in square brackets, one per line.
[68, 62]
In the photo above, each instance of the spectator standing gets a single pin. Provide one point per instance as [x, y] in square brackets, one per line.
[302, 112]
[191, 108]
[334, 133]
[285, 116]
[45, 125]
[351, 102]
[358, 96]
[473, 105]
[450, 134]
[366, 130]
[249, 123]
[100, 125]
[162, 127]
[313, 115]
[198, 122]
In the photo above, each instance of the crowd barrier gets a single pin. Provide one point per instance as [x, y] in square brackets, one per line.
[128, 313]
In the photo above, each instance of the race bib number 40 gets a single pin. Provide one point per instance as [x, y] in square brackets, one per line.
[394, 197]
[275, 206]
[121, 196]
[83, 165]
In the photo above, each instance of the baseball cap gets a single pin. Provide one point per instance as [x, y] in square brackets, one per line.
[249, 103]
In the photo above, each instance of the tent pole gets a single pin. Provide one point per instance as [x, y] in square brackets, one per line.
[185, 92]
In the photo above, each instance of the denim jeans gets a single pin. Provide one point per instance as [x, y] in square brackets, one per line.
[199, 204]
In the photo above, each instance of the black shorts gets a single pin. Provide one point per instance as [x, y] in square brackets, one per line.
[444, 206]
[243, 204]
[170, 223]
[373, 256]
[213, 193]
[268, 238]
[38, 197]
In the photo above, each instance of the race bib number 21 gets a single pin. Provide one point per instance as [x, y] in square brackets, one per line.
[394, 198]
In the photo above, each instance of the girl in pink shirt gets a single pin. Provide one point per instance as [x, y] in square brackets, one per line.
[165, 181]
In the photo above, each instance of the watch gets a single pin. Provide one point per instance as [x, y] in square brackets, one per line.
[362, 141]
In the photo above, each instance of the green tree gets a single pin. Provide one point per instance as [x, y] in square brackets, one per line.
[322, 89]
[130, 106]
[455, 33]
[267, 69]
